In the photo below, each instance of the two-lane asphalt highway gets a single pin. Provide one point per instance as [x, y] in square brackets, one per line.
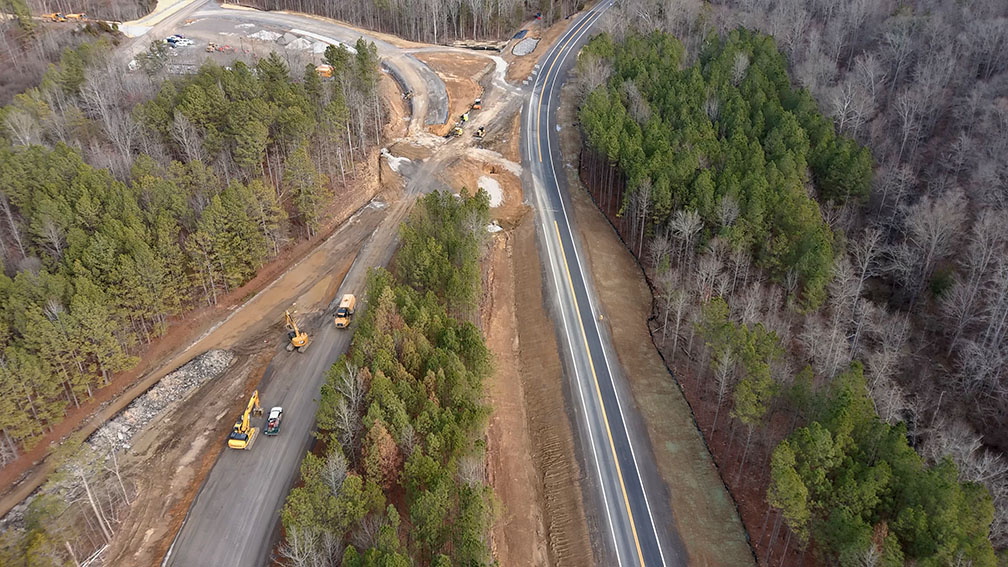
[636, 538]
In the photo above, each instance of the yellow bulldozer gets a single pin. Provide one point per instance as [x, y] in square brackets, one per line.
[243, 434]
[298, 338]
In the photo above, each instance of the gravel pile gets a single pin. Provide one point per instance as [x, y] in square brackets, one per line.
[525, 46]
[172, 388]
[265, 35]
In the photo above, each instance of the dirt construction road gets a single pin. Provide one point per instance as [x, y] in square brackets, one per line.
[234, 517]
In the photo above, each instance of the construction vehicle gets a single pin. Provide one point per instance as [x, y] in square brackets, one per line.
[478, 105]
[407, 95]
[455, 131]
[480, 132]
[325, 71]
[345, 311]
[55, 17]
[243, 434]
[298, 338]
[465, 117]
[76, 17]
[211, 47]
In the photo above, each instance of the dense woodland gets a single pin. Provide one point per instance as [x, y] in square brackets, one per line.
[106, 10]
[741, 200]
[433, 21]
[727, 139]
[28, 45]
[400, 478]
[127, 200]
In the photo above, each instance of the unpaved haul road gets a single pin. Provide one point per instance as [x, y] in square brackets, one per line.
[233, 520]
[430, 101]
[633, 500]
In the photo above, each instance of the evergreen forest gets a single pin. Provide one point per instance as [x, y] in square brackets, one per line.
[398, 477]
[727, 138]
[121, 214]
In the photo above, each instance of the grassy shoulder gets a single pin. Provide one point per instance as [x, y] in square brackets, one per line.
[401, 477]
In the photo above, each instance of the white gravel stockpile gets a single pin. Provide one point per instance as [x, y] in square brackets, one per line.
[265, 35]
[300, 43]
[490, 185]
[172, 388]
[395, 162]
[525, 46]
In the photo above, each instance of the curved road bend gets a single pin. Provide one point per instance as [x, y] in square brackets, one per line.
[619, 450]
[431, 100]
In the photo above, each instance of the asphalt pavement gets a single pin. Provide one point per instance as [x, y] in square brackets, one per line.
[632, 495]
[233, 518]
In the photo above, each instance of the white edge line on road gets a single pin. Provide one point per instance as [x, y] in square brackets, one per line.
[577, 257]
[554, 261]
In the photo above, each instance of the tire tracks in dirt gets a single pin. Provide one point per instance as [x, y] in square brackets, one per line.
[553, 452]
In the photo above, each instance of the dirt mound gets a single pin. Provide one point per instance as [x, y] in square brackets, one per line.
[410, 151]
[466, 173]
[461, 74]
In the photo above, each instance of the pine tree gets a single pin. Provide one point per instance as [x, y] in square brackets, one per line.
[309, 188]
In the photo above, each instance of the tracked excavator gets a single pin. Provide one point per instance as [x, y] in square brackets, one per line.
[243, 434]
[298, 338]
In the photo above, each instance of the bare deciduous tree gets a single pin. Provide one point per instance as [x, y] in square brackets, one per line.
[932, 227]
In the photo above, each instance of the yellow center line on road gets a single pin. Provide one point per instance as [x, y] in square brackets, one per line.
[556, 55]
[598, 392]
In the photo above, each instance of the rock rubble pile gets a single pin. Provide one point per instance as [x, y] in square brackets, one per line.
[169, 390]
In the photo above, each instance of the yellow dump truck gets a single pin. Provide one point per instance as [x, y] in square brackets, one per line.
[345, 311]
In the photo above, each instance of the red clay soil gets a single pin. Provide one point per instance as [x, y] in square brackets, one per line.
[28, 471]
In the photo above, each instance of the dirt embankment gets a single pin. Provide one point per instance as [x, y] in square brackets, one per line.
[705, 515]
[397, 108]
[461, 74]
[503, 185]
[531, 458]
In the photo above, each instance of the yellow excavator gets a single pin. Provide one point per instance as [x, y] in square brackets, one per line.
[243, 434]
[298, 338]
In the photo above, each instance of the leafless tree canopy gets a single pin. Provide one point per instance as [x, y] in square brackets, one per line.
[432, 21]
[923, 299]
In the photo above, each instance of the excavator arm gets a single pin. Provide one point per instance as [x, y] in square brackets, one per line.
[298, 339]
